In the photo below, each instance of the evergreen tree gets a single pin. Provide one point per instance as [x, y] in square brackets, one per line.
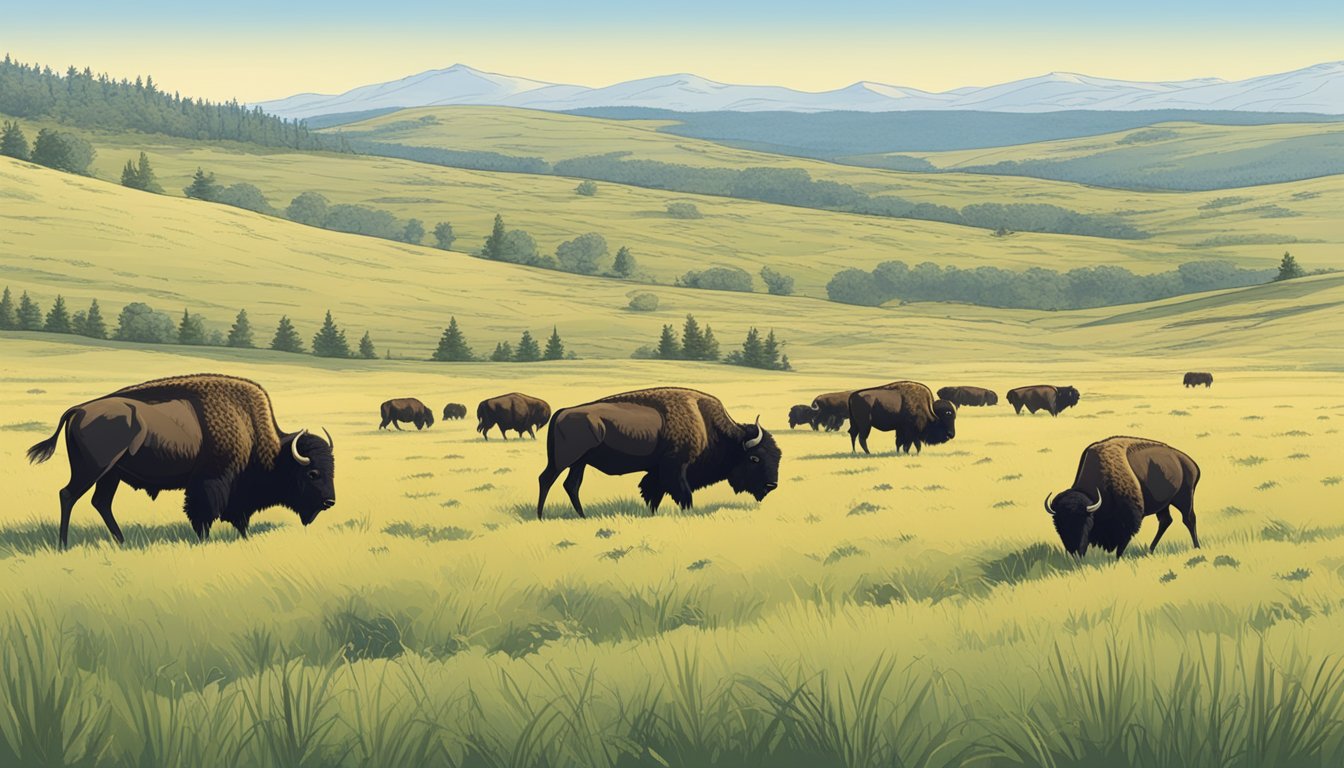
[528, 351]
[12, 141]
[191, 330]
[770, 352]
[286, 339]
[203, 186]
[366, 350]
[93, 326]
[494, 244]
[1288, 268]
[555, 349]
[139, 175]
[29, 314]
[711, 345]
[784, 364]
[752, 352]
[58, 319]
[62, 151]
[692, 340]
[8, 319]
[78, 322]
[453, 345]
[624, 265]
[413, 232]
[669, 348]
[443, 236]
[240, 334]
[329, 341]
[503, 353]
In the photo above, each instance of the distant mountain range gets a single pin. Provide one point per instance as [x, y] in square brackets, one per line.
[1317, 89]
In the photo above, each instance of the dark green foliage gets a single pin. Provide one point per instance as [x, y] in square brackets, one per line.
[493, 248]
[503, 353]
[191, 330]
[582, 254]
[624, 264]
[13, 143]
[644, 302]
[669, 346]
[29, 314]
[760, 353]
[555, 349]
[92, 324]
[413, 232]
[527, 351]
[140, 322]
[240, 333]
[718, 279]
[697, 344]
[308, 208]
[286, 338]
[366, 350]
[453, 346]
[58, 319]
[520, 248]
[329, 341]
[711, 345]
[247, 197]
[1288, 268]
[443, 235]
[139, 175]
[587, 188]
[202, 187]
[777, 283]
[62, 151]
[360, 220]
[8, 318]
[682, 210]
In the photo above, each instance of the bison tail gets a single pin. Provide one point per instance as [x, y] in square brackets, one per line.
[47, 448]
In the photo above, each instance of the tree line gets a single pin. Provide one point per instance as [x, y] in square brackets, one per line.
[51, 148]
[694, 343]
[453, 348]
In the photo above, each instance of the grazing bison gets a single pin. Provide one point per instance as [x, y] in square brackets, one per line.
[1042, 397]
[832, 409]
[407, 409]
[1195, 378]
[213, 436]
[961, 396]
[905, 407]
[802, 414]
[521, 413]
[454, 411]
[1121, 480]
[683, 440]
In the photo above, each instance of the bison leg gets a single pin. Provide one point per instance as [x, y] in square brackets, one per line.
[1186, 503]
[397, 424]
[545, 480]
[205, 503]
[385, 423]
[651, 489]
[680, 489]
[1163, 521]
[102, 501]
[572, 483]
[85, 470]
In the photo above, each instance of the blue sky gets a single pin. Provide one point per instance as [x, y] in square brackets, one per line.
[256, 50]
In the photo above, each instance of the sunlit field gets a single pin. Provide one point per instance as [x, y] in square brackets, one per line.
[874, 610]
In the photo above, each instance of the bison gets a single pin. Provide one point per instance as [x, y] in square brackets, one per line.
[454, 411]
[1195, 378]
[962, 396]
[1120, 481]
[905, 407]
[802, 414]
[1042, 397]
[518, 412]
[683, 440]
[832, 409]
[213, 436]
[407, 409]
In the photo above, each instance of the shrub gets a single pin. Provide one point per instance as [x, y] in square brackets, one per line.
[587, 188]
[644, 302]
[718, 279]
[683, 211]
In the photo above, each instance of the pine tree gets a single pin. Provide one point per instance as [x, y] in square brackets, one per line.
[366, 350]
[770, 352]
[8, 319]
[494, 244]
[203, 186]
[78, 322]
[29, 314]
[752, 353]
[58, 319]
[1288, 268]
[12, 141]
[503, 353]
[624, 265]
[669, 347]
[784, 364]
[711, 345]
[443, 235]
[555, 349]
[191, 330]
[240, 334]
[329, 341]
[93, 326]
[528, 351]
[453, 345]
[692, 340]
[286, 339]
[140, 175]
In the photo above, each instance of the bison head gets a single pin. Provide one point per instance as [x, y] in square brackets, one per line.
[757, 472]
[944, 424]
[310, 467]
[541, 413]
[947, 393]
[1066, 397]
[1073, 513]
[800, 414]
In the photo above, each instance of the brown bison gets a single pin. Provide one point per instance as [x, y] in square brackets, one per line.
[905, 407]
[407, 409]
[683, 440]
[961, 396]
[1043, 397]
[1195, 378]
[802, 414]
[1120, 481]
[454, 411]
[832, 409]
[213, 436]
[518, 412]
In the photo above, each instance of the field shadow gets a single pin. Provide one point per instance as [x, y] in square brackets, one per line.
[624, 506]
[34, 538]
[851, 455]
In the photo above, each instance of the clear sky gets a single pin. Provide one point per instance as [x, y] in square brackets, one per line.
[255, 50]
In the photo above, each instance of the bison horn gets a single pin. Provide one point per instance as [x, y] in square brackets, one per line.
[330, 443]
[815, 407]
[760, 434]
[1095, 507]
[294, 449]
[1049, 508]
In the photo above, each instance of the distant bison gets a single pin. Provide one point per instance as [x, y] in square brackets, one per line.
[1195, 378]
[969, 396]
[683, 440]
[904, 407]
[407, 409]
[802, 414]
[1121, 480]
[832, 409]
[1043, 397]
[518, 412]
[213, 436]
[454, 411]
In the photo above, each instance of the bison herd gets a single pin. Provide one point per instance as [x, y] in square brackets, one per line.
[217, 438]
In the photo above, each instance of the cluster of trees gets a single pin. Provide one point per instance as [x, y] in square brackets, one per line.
[1035, 288]
[26, 315]
[54, 149]
[83, 99]
[693, 343]
[584, 255]
[453, 348]
[736, 279]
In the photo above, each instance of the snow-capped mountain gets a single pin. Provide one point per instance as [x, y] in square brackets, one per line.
[1318, 88]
